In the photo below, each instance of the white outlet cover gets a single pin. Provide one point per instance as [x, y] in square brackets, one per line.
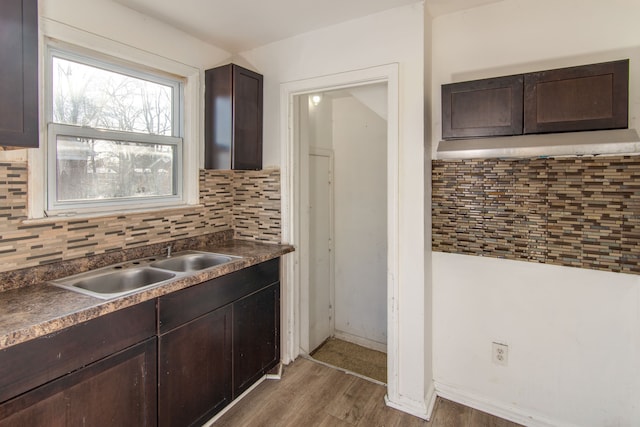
[500, 353]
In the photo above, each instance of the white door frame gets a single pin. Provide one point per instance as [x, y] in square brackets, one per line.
[293, 283]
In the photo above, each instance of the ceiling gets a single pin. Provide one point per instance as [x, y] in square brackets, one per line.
[239, 25]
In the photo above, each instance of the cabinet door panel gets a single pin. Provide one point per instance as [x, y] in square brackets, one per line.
[233, 118]
[478, 108]
[19, 73]
[117, 391]
[195, 370]
[218, 122]
[588, 97]
[247, 94]
[256, 337]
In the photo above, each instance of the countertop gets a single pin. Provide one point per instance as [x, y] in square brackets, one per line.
[33, 311]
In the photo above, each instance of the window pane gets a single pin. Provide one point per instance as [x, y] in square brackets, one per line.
[98, 169]
[84, 95]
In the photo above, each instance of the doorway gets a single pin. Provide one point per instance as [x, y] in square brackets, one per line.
[296, 155]
[345, 131]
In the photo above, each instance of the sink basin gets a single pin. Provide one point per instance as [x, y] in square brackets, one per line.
[130, 276]
[192, 261]
[107, 283]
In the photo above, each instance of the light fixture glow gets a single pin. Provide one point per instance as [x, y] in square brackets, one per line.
[316, 99]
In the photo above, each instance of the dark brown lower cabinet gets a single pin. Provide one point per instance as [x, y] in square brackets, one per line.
[256, 338]
[216, 340]
[195, 370]
[102, 372]
[119, 390]
[209, 344]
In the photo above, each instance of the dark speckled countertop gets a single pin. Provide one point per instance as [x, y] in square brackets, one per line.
[32, 311]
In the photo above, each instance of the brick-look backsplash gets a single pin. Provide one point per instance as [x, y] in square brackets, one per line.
[30, 243]
[256, 208]
[579, 211]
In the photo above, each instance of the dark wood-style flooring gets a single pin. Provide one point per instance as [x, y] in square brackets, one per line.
[311, 394]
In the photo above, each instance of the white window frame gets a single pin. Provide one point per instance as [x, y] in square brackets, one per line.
[65, 207]
[54, 206]
[56, 34]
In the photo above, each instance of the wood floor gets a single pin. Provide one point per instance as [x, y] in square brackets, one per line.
[354, 358]
[311, 394]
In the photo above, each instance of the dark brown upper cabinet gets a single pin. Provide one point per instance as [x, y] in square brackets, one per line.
[489, 107]
[19, 73]
[233, 118]
[589, 97]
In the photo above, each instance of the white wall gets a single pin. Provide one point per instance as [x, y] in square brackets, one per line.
[116, 22]
[517, 36]
[573, 334]
[428, 142]
[394, 36]
[359, 145]
[320, 134]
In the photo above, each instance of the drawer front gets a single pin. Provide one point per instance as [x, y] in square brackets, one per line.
[185, 305]
[33, 363]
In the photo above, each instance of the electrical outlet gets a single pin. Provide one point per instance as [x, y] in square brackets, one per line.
[500, 354]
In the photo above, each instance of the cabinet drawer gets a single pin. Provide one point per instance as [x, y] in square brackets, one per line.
[587, 97]
[33, 363]
[188, 304]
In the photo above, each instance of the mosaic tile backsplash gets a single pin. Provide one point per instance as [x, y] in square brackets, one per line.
[579, 211]
[31, 243]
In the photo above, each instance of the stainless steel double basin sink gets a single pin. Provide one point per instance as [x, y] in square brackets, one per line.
[131, 276]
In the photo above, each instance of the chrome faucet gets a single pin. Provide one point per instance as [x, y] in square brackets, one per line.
[169, 251]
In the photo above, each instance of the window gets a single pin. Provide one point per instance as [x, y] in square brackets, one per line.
[114, 135]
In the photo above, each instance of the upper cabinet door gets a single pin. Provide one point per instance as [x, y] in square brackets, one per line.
[479, 108]
[587, 97]
[19, 73]
[247, 95]
[233, 118]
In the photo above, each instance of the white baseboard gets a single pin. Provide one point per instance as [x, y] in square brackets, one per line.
[417, 409]
[277, 375]
[364, 342]
[431, 399]
[499, 409]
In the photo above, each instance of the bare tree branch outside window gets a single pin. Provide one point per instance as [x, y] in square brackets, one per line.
[94, 169]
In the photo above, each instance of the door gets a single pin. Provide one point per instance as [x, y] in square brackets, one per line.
[195, 369]
[119, 390]
[320, 241]
[256, 337]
